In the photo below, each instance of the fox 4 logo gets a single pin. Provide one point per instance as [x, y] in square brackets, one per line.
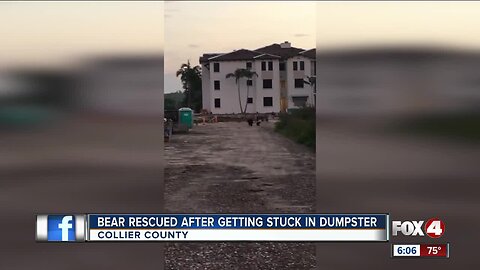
[434, 228]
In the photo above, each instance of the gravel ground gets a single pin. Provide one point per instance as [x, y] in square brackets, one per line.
[234, 168]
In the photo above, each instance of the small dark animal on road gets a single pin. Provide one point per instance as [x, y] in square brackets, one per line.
[258, 119]
[250, 122]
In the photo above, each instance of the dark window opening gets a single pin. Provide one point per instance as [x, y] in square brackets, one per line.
[267, 101]
[270, 65]
[249, 65]
[302, 65]
[216, 67]
[299, 83]
[282, 66]
[249, 82]
[249, 100]
[295, 65]
[217, 103]
[267, 83]
[264, 65]
[216, 85]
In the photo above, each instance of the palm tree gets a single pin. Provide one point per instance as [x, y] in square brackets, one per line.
[249, 75]
[188, 76]
[238, 74]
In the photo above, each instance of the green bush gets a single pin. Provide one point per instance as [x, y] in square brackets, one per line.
[298, 125]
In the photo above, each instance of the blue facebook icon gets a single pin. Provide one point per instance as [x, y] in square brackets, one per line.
[61, 228]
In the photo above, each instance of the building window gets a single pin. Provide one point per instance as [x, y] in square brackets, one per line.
[217, 103]
[300, 101]
[270, 65]
[249, 100]
[249, 82]
[302, 65]
[216, 85]
[267, 101]
[282, 66]
[249, 65]
[267, 83]
[264, 65]
[216, 67]
[295, 65]
[298, 83]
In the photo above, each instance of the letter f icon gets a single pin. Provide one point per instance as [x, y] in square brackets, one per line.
[65, 226]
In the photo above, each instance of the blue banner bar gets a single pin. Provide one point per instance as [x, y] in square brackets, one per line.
[238, 221]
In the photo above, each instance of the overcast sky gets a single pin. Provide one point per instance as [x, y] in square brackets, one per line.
[441, 23]
[58, 33]
[55, 33]
[194, 28]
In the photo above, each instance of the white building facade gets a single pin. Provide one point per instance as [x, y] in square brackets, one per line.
[280, 85]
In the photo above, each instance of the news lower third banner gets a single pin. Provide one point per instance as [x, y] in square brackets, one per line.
[212, 227]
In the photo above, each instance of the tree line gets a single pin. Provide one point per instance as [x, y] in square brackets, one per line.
[191, 97]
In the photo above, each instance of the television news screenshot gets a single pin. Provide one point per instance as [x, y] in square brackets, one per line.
[296, 135]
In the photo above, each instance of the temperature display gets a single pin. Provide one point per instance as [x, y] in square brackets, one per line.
[434, 250]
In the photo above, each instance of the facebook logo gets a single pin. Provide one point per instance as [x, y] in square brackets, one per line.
[60, 228]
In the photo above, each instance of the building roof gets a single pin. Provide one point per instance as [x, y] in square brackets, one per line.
[242, 54]
[266, 56]
[205, 56]
[284, 53]
[274, 51]
[309, 53]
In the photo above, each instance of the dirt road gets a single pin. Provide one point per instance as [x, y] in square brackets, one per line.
[234, 168]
